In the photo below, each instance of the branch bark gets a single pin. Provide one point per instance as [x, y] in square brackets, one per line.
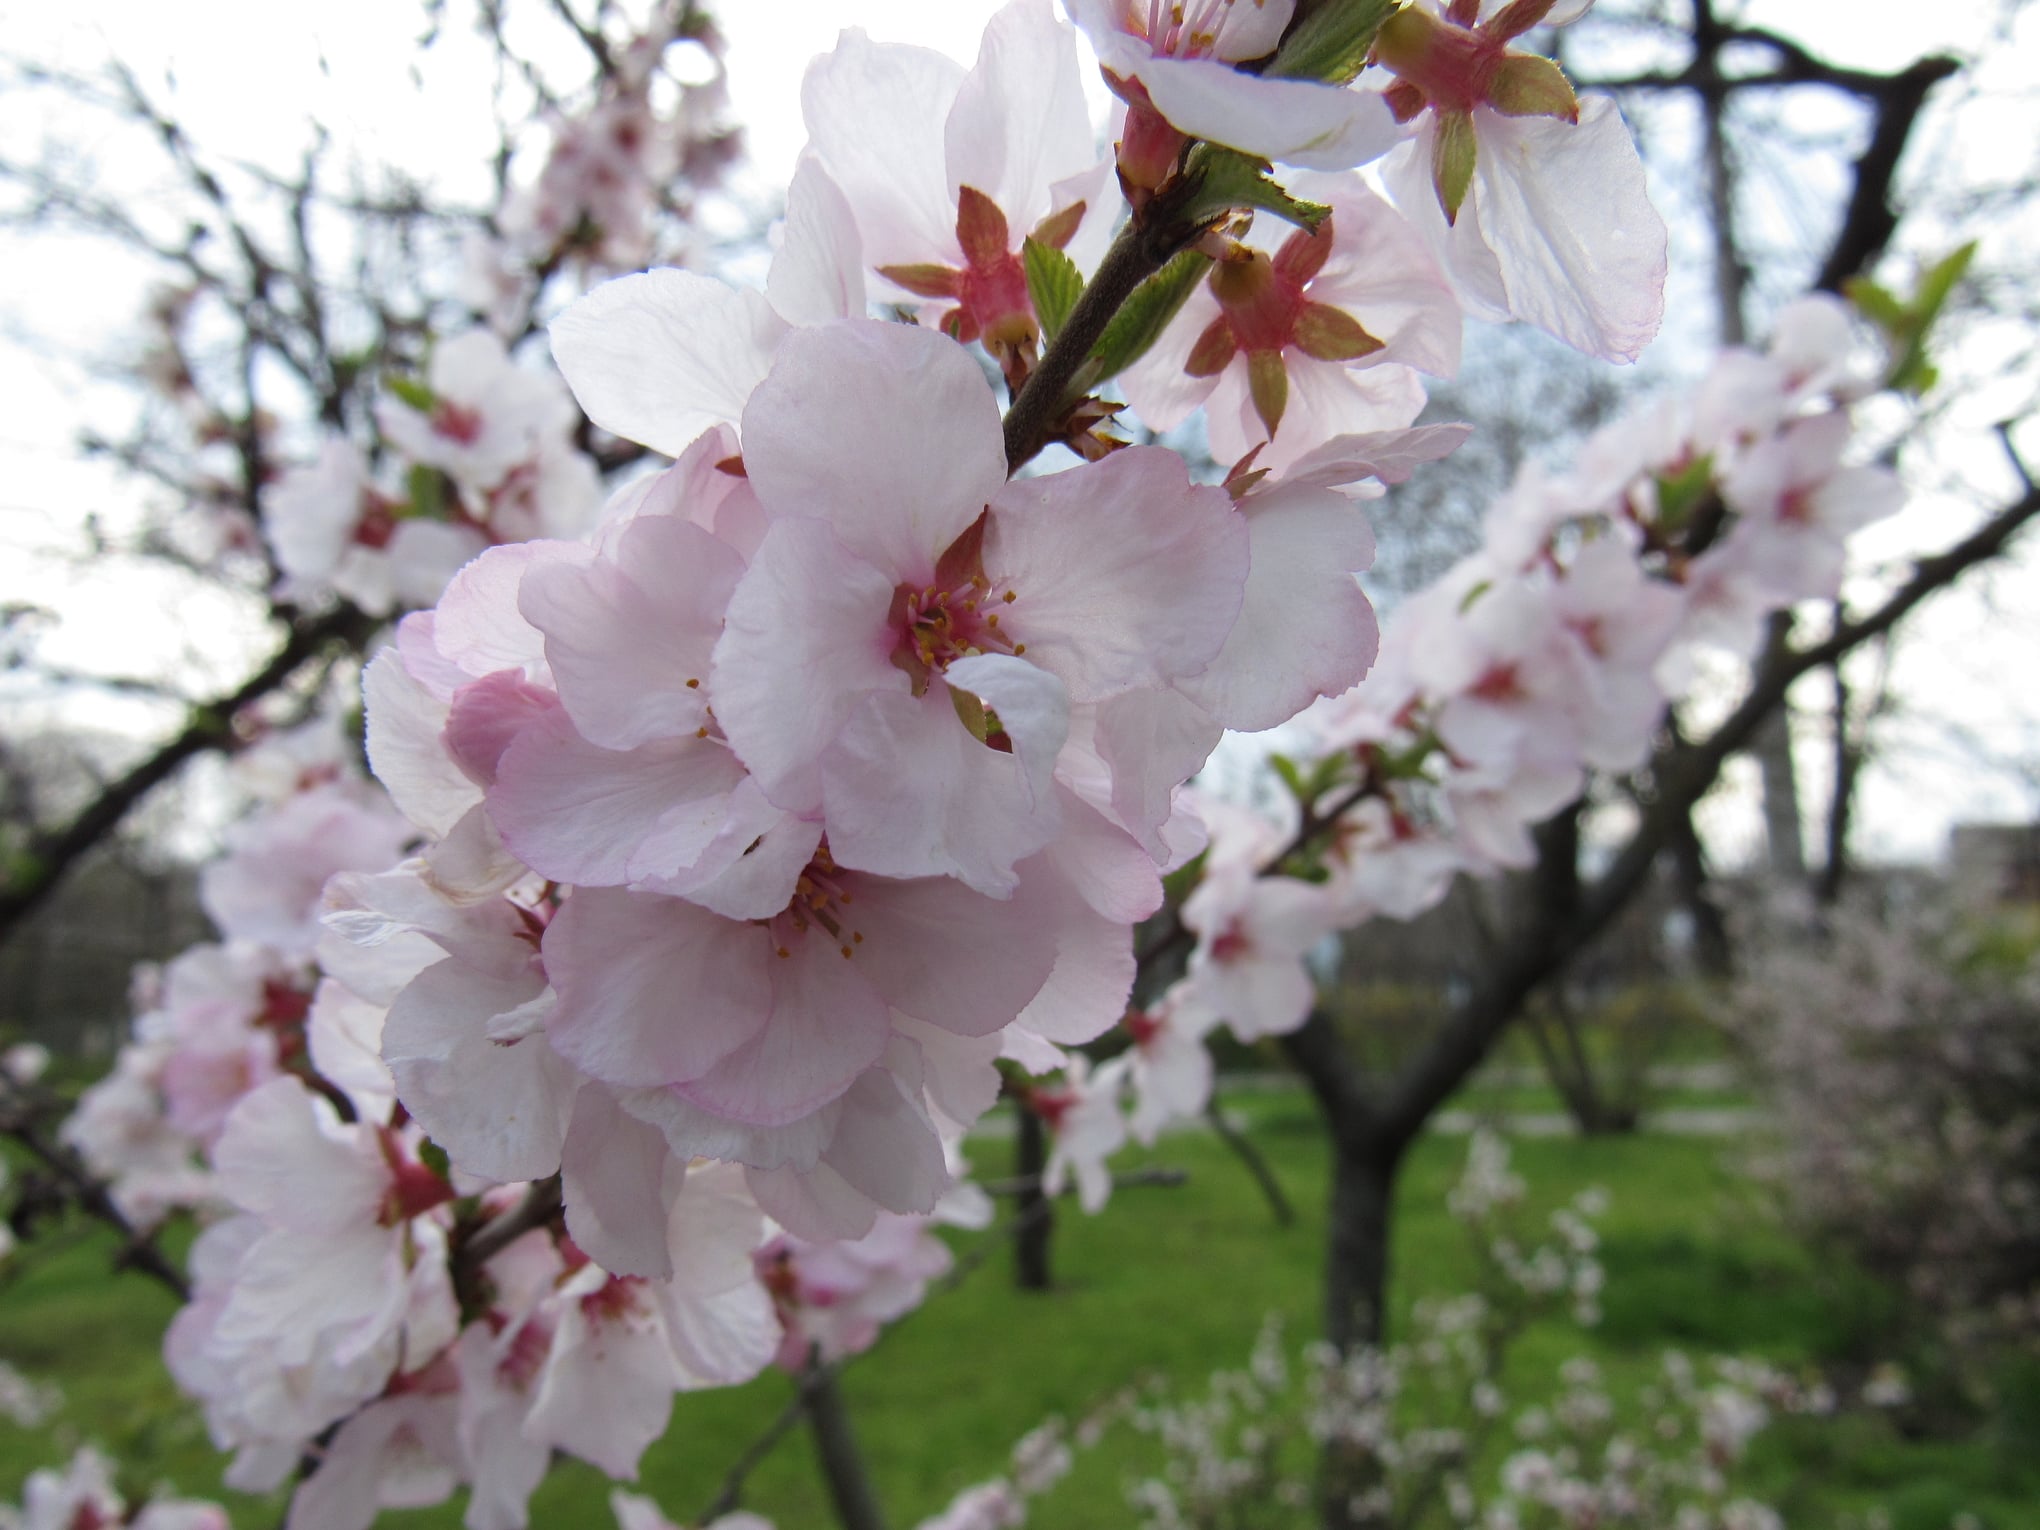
[40, 866]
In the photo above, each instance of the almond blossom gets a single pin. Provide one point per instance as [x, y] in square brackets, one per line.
[1175, 65]
[1325, 330]
[1533, 200]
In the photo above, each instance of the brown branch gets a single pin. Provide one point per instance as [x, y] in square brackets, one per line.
[39, 867]
[1547, 943]
[138, 1250]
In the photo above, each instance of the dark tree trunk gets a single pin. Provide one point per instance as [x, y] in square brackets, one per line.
[1356, 1310]
[1033, 1207]
[836, 1448]
[1356, 1252]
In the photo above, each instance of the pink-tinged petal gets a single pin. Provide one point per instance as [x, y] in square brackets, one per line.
[626, 634]
[399, 1452]
[818, 270]
[960, 1072]
[1152, 741]
[1382, 272]
[605, 817]
[653, 990]
[719, 1317]
[947, 955]
[478, 627]
[472, 863]
[827, 1027]
[1020, 122]
[1326, 399]
[281, 1138]
[1031, 705]
[619, 1183]
[1565, 209]
[804, 640]
[487, 715]
[752, 867]
[1104, 864]
[909, 792]
[1086, 994]
[660, 356]
[887, 432]
[1305, 630]
[885, 1146]
[343, 1036]
[342, 1291]
[607, 1388]
[500, 1110]
[872, 113]
[1388, 456]
[1298, 122]
[817, 1203]
[425, 555]
[404, 724]
[692, 1132]
[1124, 574]
[418, 647]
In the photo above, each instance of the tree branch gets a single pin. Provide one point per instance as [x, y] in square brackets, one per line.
[1547, 944]
[38, 868]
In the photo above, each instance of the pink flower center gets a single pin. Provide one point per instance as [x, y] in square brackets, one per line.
[457, 422]
[615, 1301]
[821, 897]
[1232, 943]
[955, 615]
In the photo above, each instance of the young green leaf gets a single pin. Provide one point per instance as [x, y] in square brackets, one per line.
[1053, 283]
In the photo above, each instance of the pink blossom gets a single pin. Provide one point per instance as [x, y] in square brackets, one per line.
[1174, 65]
[1324, 331]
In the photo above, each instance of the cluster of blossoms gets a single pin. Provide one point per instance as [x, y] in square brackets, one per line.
[226, 1016]
[480, 452]
[83, 1497]
[755, 818]
[611, 166]
[1551, 651]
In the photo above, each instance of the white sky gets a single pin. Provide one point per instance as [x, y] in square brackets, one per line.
[248, 72]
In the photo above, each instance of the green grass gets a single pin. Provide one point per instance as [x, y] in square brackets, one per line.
[1173, 1282]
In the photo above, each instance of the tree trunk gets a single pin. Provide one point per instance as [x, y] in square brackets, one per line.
[1356, 1315]
[1037, 1212]
[836, 1448]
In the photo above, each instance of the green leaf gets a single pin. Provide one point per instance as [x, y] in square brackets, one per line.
[425, 491]
[1053, 283]
[1142, 318]
[1907, 323]
[1225, 179]
[412, 392]
[1680, 493]
[1292, 778]
[1877, 304]
[1332, 42]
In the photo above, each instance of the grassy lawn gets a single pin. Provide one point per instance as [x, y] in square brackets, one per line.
[1169, 1281]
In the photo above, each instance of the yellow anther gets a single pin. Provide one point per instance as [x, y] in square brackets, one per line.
[856, 936]
[694, 685]
[846, 952]
[1009, 597]
[784, 952]
[701, 733]
[1019, 649]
